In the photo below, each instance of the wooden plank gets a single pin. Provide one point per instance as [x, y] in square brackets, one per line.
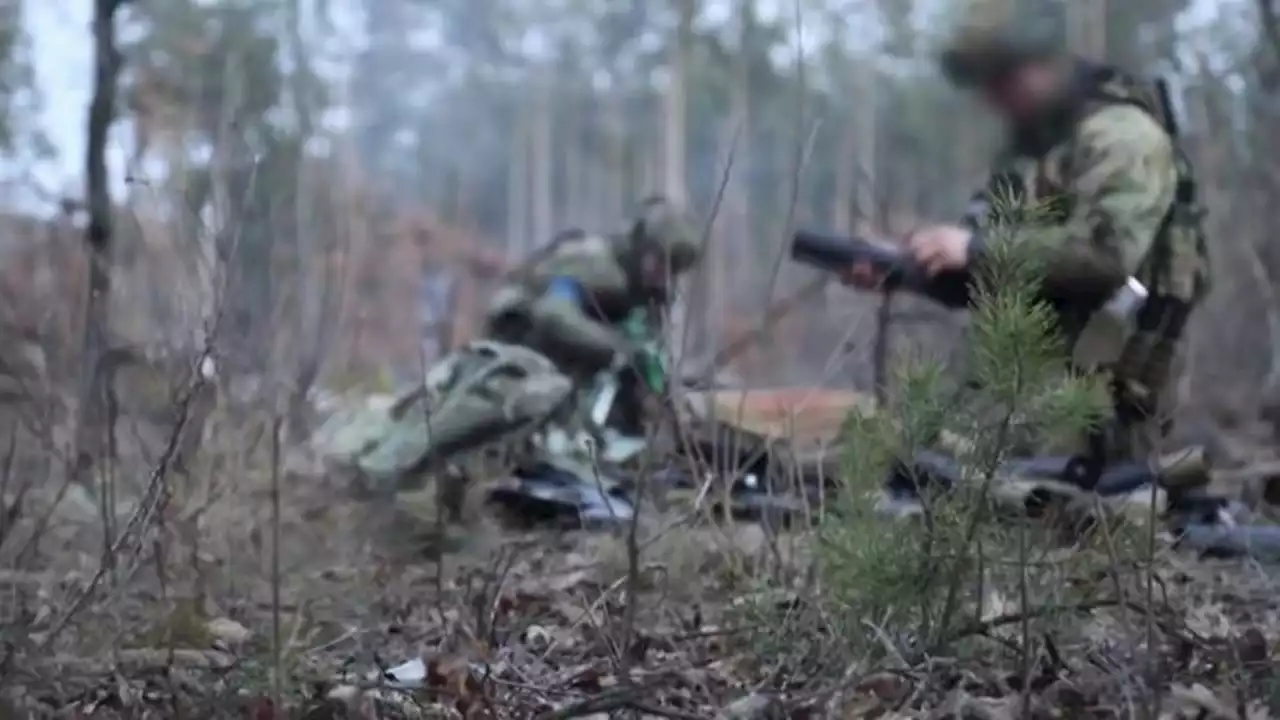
[800, 416]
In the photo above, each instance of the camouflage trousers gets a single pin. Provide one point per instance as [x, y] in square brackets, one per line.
[1131, 440]
[480, 395]
[1144, 440]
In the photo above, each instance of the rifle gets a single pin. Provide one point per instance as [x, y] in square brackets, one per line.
[834, 253]
[1260, 542]
[930, 471]
[1199, 521]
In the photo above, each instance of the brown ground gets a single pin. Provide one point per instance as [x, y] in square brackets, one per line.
[200, 613]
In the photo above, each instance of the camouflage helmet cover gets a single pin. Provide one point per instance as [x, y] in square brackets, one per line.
[661, 225]
[994, 36]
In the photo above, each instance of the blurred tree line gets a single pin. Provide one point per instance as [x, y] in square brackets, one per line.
[276, 121]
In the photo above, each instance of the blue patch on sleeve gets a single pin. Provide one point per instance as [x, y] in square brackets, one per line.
[565, 288]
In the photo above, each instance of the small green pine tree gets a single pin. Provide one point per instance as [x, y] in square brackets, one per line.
[924, 580]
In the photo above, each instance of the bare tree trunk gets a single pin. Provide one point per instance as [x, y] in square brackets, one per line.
[647, 170]
[94, 419]
[317, 311]
[1087, 28]
[841, 203]
[846, 179]
[518, 191]
[575, 201]
[868, 211]
[616, 171]
[301, 69]
[727, 256]
[675, 129]
[864, 145]
[742, 161]
[1269, 14]
[543, 162]
[464, 199]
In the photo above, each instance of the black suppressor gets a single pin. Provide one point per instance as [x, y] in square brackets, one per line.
[834, 253]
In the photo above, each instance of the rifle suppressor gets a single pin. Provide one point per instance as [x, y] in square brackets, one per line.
[833, 253]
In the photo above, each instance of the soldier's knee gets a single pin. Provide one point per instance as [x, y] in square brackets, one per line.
[543, 393]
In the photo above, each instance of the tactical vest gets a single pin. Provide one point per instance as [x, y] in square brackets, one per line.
[590, 259]
[1176, 269]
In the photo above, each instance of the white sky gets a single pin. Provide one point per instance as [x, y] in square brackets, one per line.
[62, 53]
[59, 31]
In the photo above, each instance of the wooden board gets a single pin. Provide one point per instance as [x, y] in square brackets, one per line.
[802, 417]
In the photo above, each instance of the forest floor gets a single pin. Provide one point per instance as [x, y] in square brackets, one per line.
[200, 612]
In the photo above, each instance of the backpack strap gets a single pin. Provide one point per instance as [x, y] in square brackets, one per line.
[1163, 317]
[1114, 87]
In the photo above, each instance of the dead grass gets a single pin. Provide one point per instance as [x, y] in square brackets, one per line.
[532, 624]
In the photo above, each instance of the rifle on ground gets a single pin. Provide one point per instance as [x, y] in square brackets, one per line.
[1177, 473]
[1199, 520]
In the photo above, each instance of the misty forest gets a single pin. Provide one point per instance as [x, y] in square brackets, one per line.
[288, 210]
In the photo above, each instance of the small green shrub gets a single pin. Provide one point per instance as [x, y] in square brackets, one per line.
[915, 586]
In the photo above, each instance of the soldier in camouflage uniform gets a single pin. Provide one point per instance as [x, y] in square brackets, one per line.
[548, 331]
[1096, 147]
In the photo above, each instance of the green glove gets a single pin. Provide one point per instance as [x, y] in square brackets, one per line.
[648, 361]
[650, 369]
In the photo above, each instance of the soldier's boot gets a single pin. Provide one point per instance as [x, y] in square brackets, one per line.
[420, 526]
[1185, 477]
[1188, 479]
[452, 494]
[425, 437]
[1184, 470]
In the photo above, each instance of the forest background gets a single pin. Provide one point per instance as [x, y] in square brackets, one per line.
[365, 169]
[320, 195]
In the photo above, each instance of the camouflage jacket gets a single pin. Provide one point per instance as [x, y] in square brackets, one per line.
[573, 303]
[1111, 179]
[1114, 198]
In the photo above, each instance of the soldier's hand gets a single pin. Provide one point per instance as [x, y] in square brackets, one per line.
[938, 248]
[861, 275]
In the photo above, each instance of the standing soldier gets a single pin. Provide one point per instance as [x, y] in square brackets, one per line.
[1097, 149]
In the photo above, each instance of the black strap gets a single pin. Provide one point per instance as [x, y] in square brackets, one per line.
[1185, 193]
[1160, 314]
[1165, 317]
[1163, 112]
[1086, 470]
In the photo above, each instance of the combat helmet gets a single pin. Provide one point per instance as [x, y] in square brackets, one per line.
[994, 36]
[659, 224]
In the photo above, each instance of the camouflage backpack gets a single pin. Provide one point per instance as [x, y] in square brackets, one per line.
[1176, 272]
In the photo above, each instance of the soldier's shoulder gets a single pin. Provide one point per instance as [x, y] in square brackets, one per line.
[581, 252]
[1122, 125]
[584, 245]
[592, 259]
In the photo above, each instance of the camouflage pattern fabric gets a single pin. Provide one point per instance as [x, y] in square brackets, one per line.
[1176, 270]
[1112, 197]
[540, 347]
[1112, 202]
[482, 394]
[584, 336]
[1108, 186]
